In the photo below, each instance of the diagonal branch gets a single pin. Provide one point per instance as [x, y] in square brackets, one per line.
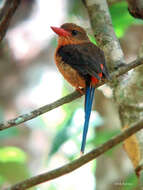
[35, 113]
[6, 14]
[22, 118]
[78, 162]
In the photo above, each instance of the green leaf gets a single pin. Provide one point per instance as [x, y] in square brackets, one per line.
[13, 164]
[12, 154]
[130, 183]
[13, 171]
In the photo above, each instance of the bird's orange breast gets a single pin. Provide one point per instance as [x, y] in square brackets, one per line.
[70, 74]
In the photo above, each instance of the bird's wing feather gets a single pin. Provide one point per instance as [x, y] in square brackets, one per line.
[85, 58]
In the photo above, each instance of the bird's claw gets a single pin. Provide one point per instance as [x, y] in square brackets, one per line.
[81, 90]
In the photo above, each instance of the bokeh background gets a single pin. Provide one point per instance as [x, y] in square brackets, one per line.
[29, 79]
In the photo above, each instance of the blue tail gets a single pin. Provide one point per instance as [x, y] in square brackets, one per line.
[89, 95]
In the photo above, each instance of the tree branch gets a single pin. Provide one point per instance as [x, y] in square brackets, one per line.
[22, 118]
[78, 162]
[25, 117]
[6, 14]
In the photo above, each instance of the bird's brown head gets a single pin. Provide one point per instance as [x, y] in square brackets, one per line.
[70, 33]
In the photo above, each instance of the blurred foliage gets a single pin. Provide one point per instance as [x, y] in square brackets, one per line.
[121, 18]
[12, 161]
[72, 129]
[130, 183]
[12, 154]
[5, 134]
[71, 107]
[61, 136]
[92, 39]
[103, 136]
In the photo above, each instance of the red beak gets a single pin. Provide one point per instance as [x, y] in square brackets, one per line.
[60, 31]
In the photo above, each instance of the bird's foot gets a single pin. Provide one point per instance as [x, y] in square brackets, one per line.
[81, 90]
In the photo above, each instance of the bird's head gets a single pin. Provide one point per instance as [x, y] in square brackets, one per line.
[70, 33]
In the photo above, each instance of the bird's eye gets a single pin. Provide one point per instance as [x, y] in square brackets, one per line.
[74, 32]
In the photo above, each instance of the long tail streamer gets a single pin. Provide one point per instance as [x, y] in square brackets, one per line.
[89, 95]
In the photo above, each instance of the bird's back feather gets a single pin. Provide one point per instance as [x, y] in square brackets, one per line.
[86, 59]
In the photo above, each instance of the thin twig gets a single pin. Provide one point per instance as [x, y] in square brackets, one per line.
[6, 14]
[78, 162]
[22, 118]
